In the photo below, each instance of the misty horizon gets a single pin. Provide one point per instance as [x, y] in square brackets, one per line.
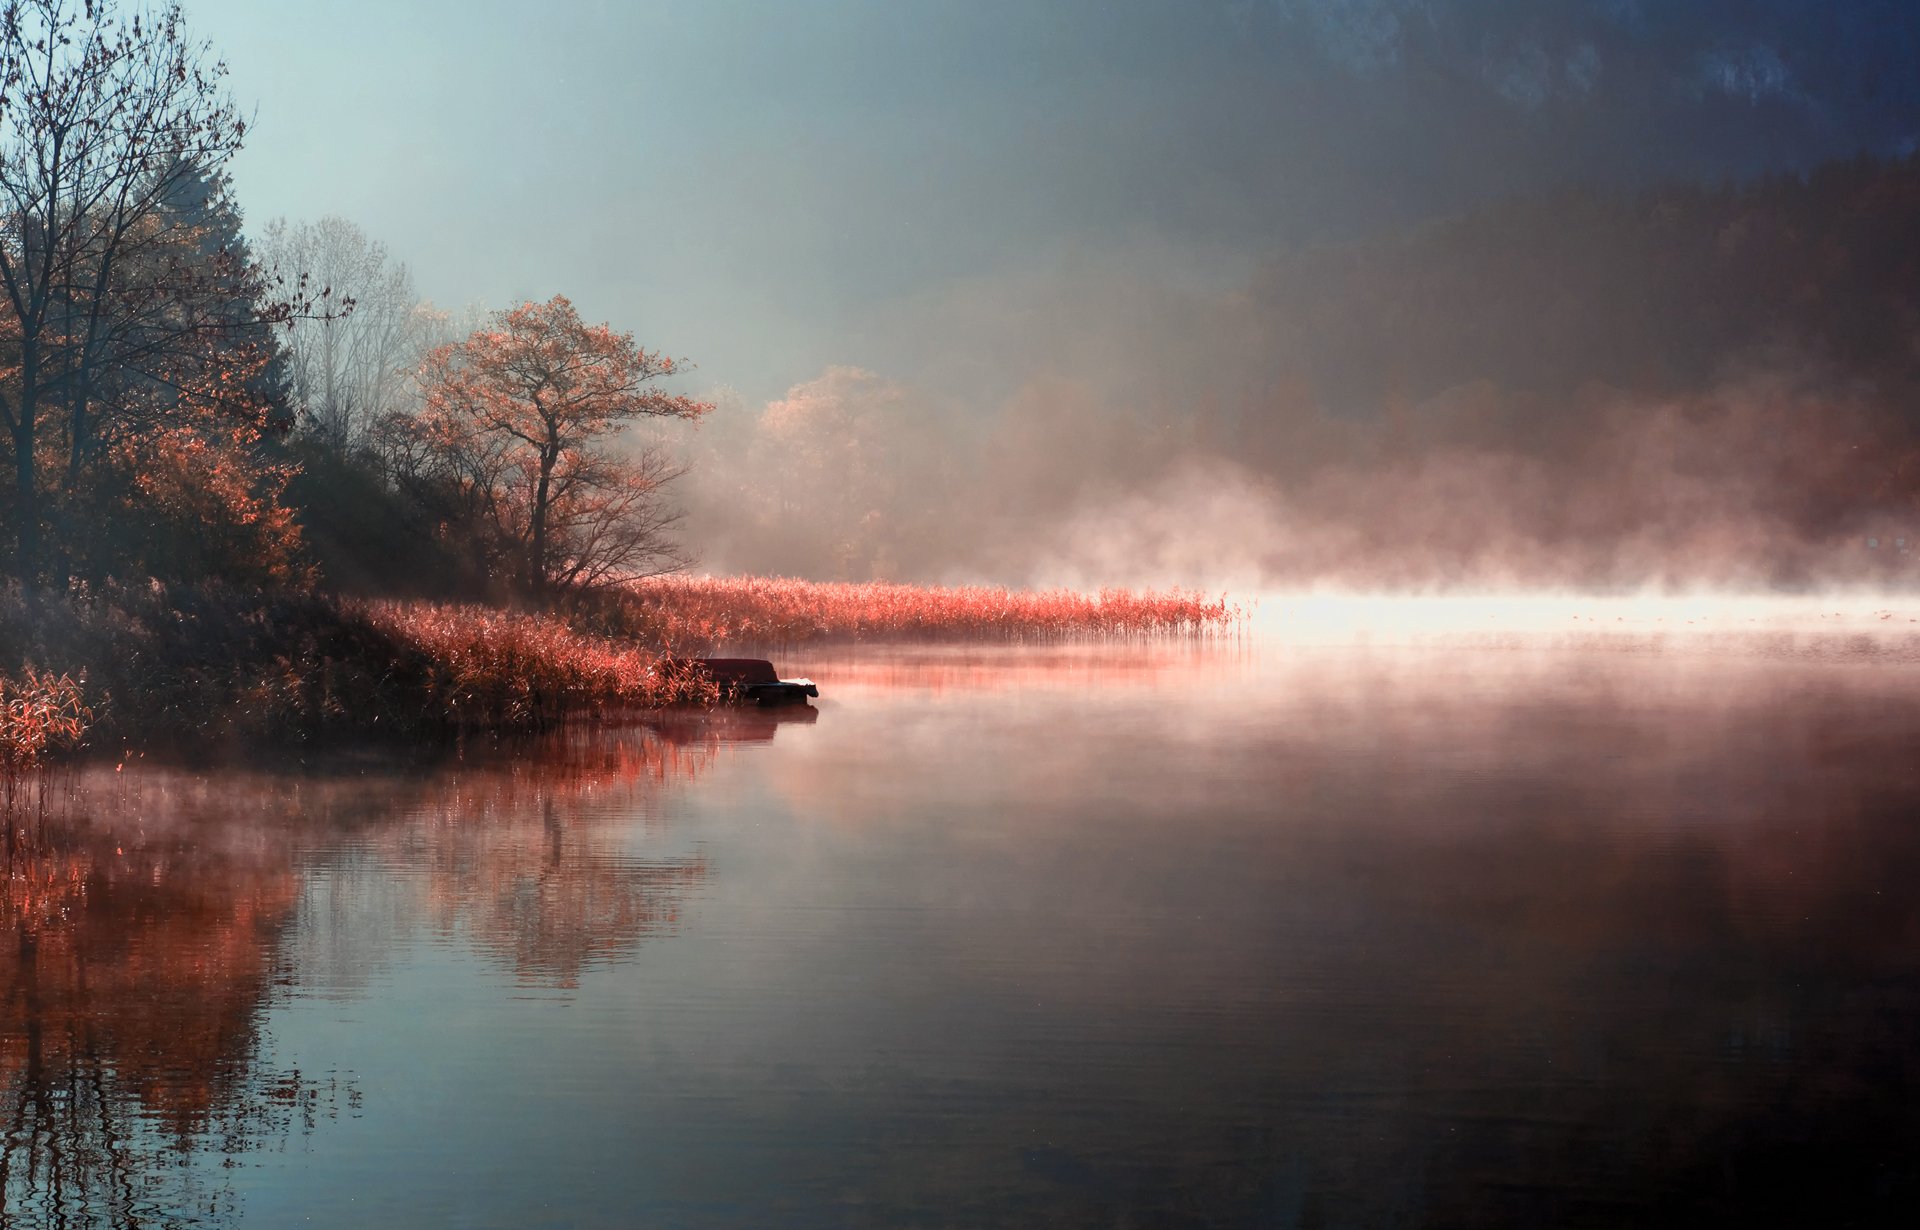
[1076, 353]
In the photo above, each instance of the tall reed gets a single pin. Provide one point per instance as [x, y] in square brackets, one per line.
[692, 613]
[40, 713]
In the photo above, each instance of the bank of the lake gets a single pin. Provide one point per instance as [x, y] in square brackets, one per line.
[139, 665]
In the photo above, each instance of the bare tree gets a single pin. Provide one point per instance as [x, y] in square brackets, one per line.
[349, 371]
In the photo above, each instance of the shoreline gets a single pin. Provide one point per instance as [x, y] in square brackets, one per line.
[158, 666]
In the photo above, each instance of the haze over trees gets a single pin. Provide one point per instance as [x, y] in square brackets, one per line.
[1582, 388]
[349, 371]
[1578, 387]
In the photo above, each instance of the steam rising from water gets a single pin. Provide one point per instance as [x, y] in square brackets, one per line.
[1855, 625]
[1767, 483]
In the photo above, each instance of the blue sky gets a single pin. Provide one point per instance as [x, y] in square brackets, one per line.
[771, 186]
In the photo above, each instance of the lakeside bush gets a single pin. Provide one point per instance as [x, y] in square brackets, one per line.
[691, 614]
[207, 664]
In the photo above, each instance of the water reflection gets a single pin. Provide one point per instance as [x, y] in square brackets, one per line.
[1094, 668]
[1058, 937]
[136, 960]
[152, 915]
[529, 859]
[744, 724]
[1374, 939]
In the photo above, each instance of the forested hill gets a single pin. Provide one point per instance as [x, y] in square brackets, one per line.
[1660, 294]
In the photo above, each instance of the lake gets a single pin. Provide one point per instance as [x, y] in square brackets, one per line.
[1248, 933]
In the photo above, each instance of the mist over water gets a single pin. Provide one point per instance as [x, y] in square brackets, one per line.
[1768, 483]
[1538, 847]
[1693, 387]
[1423, 910]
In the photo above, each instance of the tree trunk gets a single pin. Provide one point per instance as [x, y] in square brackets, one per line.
[25, 483]
[27, 532]
[537, 550]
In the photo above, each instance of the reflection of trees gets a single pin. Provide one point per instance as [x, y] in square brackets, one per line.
[131, 985]
[532, 858]
[151, 915]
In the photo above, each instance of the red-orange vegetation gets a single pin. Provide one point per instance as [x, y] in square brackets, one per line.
[495, 668]
[687, 611]
[217, 666]
[515, 431]
[40, 713]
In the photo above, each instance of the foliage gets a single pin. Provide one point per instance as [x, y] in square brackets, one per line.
[137, 361]
[194, 493]
[512, 449]
[210, 665]
[496, 669]
[363, 535]
[348, 371]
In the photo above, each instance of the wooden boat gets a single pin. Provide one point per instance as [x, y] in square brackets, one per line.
[754, 679]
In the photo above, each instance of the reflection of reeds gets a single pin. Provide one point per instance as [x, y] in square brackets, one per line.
[706, 611]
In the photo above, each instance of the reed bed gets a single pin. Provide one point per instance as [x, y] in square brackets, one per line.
[40, 714]
[702, 612]
[512, 670]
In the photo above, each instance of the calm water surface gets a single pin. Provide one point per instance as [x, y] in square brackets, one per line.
[1237, 936]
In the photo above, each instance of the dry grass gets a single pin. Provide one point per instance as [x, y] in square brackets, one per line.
[691, 614]
[502, 669]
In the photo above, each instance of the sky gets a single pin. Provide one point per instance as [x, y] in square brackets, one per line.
[773, 187]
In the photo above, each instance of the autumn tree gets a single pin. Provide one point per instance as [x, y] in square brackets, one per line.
[516, 437]
[132, 329]
[178, 475]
